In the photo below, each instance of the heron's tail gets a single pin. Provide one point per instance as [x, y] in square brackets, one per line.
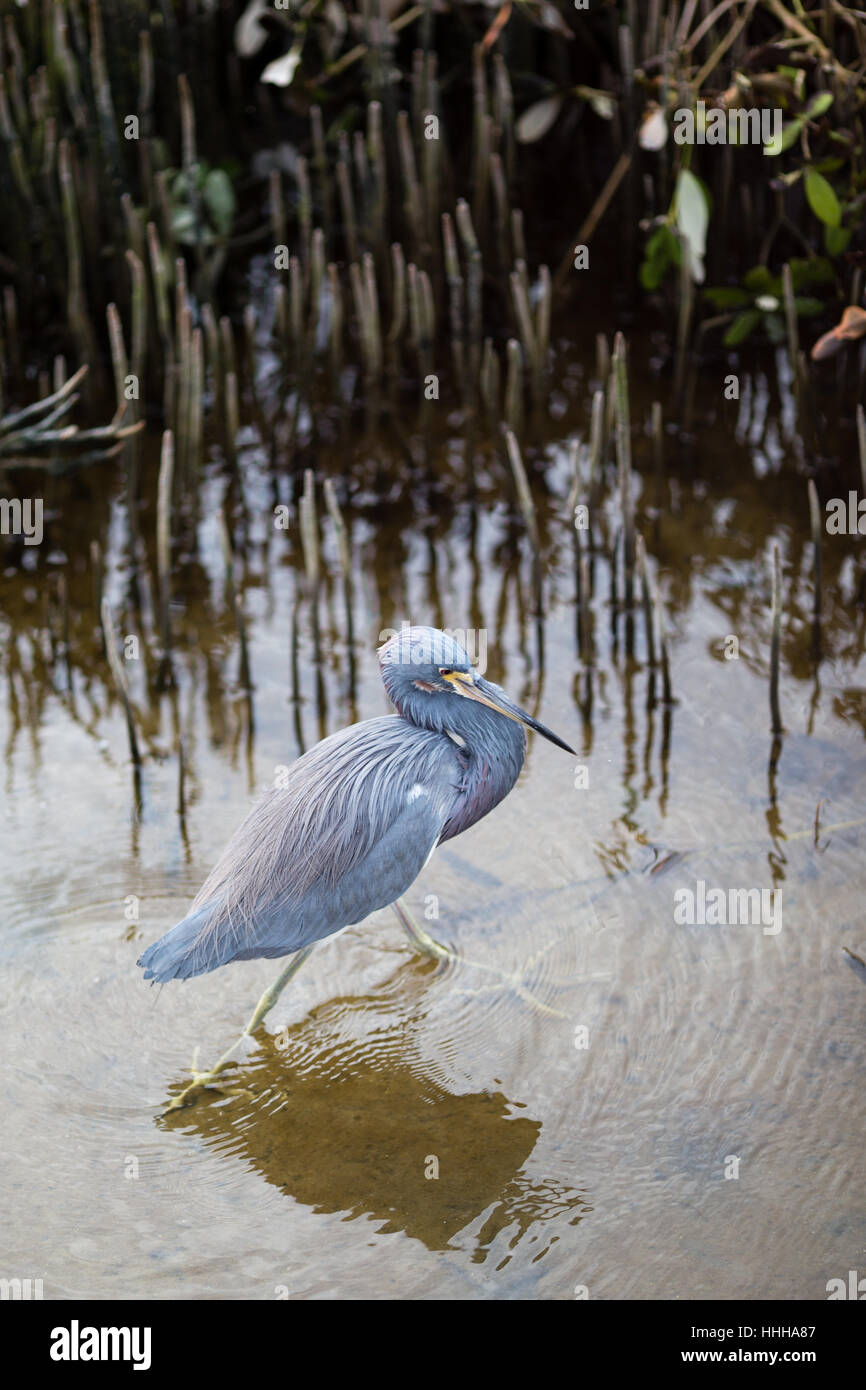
[185, 950]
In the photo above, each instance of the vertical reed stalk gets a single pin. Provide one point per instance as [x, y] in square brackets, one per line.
[791, 323]
[139, 322]
[75, 301]
[472, 251]
[646, 600]
[310, 533]
[234, 603]
[527, 507]
[412, 201]
[776, 644]
[119, 363]
[602, 358]
[379, 199]
[623, 453]
[160, 286]
[816, 523]
[335, 328]
[163, 535]
[117, 671]
[596, 442]
[658, 436]
[514, 387]
[320, 166]
[232, 418]
[345, 559]
[398, 294]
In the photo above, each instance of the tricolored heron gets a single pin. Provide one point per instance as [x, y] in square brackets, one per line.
[355, 822]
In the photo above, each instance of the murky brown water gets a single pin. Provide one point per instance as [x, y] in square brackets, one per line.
[566, 1158]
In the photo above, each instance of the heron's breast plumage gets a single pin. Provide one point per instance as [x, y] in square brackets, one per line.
[491, 758]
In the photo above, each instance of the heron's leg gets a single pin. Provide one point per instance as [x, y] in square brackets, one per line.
[272, 994]
[264, 1006]
[427, 944]
[421, 940]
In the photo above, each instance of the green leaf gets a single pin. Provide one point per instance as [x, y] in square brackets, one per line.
[742, 326]
[807, 308]
[183, 223]
[836, 240]
[693, 215]
[726, 297]
[603, 106]
[819, 104]
[662, 251]
[601, 102]
[790, 133]
[758, 280]
[822, 199]
[810, 270]
[219, 199]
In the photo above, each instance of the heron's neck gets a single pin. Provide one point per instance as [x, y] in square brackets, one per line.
[492, 749]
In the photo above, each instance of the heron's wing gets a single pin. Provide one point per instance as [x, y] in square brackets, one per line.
[386, 872]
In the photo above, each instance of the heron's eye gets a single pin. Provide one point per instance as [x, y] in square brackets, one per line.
[445, 671]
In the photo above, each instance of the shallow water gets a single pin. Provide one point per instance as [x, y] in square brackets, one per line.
[591, 1073]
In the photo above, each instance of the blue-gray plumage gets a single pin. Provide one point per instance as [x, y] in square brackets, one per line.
[358, 815]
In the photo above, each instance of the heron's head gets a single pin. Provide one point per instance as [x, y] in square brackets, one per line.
[431, 681]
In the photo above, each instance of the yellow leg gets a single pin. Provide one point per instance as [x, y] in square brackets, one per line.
[421, 940]
[264, 1006]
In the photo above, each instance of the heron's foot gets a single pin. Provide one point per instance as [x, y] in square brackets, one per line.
[201, 1081]
[430, 947]
[421, 939]
[205, 1080]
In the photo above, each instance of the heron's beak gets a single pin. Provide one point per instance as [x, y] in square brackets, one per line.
[476, 688]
